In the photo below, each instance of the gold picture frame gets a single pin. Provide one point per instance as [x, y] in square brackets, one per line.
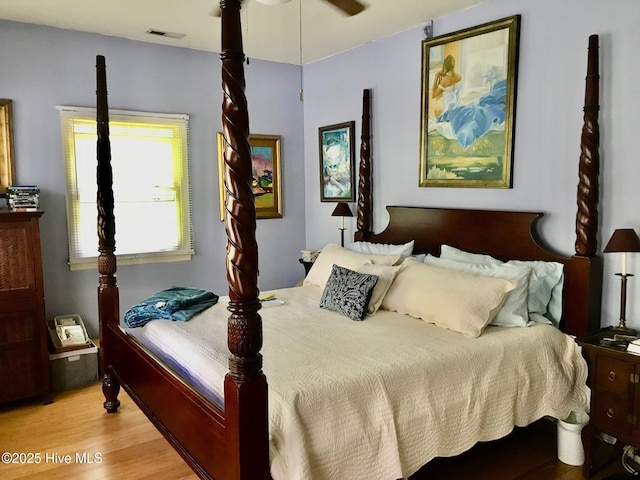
[7, 162]
[267, 180]
[468, 106]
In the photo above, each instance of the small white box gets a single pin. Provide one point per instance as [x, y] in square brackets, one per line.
[71, 331]
[75, 368]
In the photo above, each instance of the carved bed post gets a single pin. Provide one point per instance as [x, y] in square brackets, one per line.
[108, 296]
[589, 169]
[245, 386]
[364, 182]
[590, 265]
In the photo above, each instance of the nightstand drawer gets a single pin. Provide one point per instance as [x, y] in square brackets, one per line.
[611, 412]
[613, 375]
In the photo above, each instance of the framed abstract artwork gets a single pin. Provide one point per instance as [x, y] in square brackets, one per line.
[7, 162]
[337, 162]
[266, 182]
[468, 106]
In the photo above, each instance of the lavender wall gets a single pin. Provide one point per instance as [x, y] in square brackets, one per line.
[43, 67]
[552, 68]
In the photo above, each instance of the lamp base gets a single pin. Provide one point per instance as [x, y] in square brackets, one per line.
[623, 330]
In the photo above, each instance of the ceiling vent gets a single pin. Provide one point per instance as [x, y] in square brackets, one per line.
[160, 33]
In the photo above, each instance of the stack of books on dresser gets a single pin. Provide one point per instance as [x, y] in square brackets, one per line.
[634, 346]
[23, 198]
[621, 342]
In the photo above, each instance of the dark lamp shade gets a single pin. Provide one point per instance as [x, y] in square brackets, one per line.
[623, 240]
[342, 210]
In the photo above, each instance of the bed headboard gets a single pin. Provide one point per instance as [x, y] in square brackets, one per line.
[504, 235]
[507, 234]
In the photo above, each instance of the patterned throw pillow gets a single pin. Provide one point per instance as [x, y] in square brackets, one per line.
[348, 292]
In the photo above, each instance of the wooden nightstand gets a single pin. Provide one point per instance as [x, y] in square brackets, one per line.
[307, 266]
[614, 379]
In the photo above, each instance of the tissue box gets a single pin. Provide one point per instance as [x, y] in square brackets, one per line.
[309, 255]
[65, 321]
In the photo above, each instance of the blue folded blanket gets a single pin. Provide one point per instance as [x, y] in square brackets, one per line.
[176, 303]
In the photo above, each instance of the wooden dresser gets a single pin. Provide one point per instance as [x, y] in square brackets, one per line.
[614, 378]
[24, 358]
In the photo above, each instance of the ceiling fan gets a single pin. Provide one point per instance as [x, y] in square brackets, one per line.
[348, 7]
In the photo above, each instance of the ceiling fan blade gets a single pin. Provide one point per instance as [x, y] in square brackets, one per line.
[350, 7]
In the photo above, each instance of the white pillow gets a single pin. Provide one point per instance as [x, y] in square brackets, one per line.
[382, 248]
[459, 301]
[514, 311]
[453, 253]
[386, 274]
[544, 301]
[335, 254]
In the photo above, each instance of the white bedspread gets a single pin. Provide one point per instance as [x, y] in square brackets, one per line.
[378, 399]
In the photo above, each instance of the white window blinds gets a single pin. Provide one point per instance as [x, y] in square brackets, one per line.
[149, 158]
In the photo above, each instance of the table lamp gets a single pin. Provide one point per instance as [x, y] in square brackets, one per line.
[342, 210]
[622, 241]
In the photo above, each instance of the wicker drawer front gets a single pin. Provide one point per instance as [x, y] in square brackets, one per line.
[16, 258]
[24, 365]
[20, 372]
[19, 326]
[613, 375]
[612, 413]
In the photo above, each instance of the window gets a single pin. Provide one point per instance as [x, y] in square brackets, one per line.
[149, 158]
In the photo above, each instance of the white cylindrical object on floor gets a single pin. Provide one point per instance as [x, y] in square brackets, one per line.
[570, 450]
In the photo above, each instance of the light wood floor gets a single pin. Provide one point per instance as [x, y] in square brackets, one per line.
[127, 446]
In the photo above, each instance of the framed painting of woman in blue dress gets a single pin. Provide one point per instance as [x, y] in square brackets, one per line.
[337, 160]
[468, 106]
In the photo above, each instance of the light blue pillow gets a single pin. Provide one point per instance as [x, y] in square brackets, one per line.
[545, 283]
[545, 290]
[419, 257]
[513, 312]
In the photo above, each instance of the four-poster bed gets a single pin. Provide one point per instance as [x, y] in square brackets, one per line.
[233, 441]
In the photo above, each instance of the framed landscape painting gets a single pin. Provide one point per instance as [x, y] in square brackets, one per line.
[337, 161]
[266, 184]
[7, 163]
[468, 106]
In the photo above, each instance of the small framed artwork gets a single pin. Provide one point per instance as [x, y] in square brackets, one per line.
[266, 183]
[468, 106]
[337, 162]
[7, 162]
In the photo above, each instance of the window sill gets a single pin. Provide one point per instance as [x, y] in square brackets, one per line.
[92, 263]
